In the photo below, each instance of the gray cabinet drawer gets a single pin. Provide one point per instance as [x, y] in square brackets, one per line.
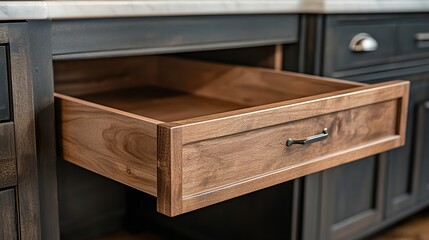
[342, 57]
[399, 41]
[413, 38]
[4, 86]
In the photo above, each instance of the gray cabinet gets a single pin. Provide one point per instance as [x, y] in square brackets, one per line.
[8, 220]
[368, 194]
[422, 142]
[364, 196]
[18, 163]
[351, 198]
[405, 165]
[423, 150]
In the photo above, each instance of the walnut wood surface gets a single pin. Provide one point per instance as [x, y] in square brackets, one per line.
[162, 103]
[170, 170]
[115, 144]
[218, 162]
[76, 78]
[230, 125]
[218, 125]
[217, 148]
[243, 85]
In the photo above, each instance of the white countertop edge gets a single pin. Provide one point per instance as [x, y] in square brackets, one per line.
[27, 10]
[13, 10]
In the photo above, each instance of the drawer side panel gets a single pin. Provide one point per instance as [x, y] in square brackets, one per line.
[109, 143]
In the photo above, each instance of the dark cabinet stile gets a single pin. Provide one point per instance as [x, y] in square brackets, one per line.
[8, 220]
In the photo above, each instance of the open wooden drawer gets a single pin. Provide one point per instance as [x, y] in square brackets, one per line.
[194, 134]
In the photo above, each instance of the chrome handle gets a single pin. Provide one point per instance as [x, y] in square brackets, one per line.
[426, 105]
[363, 42]
[422, 40]
[422, 36]
[318, 137]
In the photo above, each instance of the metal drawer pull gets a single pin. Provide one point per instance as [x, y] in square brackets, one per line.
[422, 36]
[363, 42]
[427, 105]
[316, 138]
[422, 40]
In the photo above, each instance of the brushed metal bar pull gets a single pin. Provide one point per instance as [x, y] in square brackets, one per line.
[316, 138]
[426, 105]
[422, 36]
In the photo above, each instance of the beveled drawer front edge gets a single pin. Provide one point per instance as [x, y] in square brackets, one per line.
[111, 146]
[223, 124]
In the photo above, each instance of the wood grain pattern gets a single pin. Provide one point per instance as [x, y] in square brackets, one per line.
[243, 85]
[24, 123]
[396, 92]
[162, 103]
[76, 78]
[8, 218]
[169, 170]
[218, 162]
[115, 144]
[218, 125]
[278, 57]
[228, 149]
[238, 84]
[413, 228]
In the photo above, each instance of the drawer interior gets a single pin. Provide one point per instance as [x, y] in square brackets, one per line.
[138, 120]
[170, 89]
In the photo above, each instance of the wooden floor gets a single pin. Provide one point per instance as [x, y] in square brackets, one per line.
[129, 236]
[415, 227]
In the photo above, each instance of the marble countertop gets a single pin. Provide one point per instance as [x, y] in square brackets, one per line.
[26, 10]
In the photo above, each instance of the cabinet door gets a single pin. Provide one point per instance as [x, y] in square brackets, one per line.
[404, 163]
[400, 187]
[8, 219]
[351, 198]
[422, 149]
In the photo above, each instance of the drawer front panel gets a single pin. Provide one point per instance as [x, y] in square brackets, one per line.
[218, 162]
[413, 39]
[339, 56]
[4, 86]
[204, 162]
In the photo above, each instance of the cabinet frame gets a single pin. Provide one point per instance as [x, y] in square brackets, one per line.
[15, 37]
